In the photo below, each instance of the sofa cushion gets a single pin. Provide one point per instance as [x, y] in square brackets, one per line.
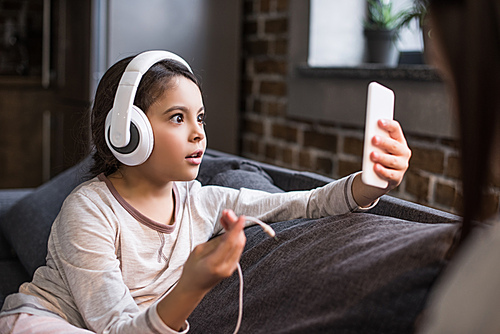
[235, 173]
[348, 274]
[13, 275]
[6, 250]
[26, 225]
[8, 197]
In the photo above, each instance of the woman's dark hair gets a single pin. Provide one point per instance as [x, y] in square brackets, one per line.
[468, 32]
[154, 83]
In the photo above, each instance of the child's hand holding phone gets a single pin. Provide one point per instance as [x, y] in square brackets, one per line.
[390, 159]
[386, 154]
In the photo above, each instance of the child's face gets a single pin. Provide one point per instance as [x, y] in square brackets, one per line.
[177, 119]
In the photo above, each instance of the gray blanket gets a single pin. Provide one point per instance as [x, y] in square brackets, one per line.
[356, 273]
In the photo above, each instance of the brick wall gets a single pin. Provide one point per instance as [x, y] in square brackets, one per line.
[330, 149]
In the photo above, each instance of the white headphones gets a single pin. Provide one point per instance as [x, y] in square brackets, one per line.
[128, 132]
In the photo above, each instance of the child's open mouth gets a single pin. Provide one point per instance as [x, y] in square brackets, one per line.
[195, 157]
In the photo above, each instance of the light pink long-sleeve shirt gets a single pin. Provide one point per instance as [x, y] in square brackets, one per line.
[108, 265]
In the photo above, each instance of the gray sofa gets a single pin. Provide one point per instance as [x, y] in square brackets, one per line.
[356, 273]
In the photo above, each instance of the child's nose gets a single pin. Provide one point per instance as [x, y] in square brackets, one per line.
[198, 132]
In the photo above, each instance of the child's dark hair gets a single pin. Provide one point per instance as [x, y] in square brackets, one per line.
[153, 84]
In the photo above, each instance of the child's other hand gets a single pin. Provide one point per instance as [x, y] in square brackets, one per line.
[211, 262]
[392, 164]
[207, 265]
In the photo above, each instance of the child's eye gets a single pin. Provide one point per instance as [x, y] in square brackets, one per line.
[177, 118]
[201, 119]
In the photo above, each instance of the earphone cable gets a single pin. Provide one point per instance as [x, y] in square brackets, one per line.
[240, 311]
[267, 229]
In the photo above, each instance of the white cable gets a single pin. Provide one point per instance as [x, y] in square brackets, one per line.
[268, 229]
[191, 229]
[240, 311]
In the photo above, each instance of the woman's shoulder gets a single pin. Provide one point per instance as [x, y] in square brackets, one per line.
[472, 278]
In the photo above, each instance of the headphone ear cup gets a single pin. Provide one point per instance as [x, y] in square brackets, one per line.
[141, 142]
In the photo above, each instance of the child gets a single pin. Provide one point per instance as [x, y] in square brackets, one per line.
[128, 253]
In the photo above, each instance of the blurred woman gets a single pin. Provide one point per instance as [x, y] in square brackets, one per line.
[466, 49]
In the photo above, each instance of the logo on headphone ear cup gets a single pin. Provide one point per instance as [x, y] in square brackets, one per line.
[141, 142]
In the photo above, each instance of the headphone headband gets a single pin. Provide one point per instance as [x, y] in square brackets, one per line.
[127, 88]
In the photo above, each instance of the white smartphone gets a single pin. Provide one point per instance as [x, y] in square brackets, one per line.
[379, 105]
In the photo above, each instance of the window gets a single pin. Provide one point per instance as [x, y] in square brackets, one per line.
[336, 93]
[336, 32]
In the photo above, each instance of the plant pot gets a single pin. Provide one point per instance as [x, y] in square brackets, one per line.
[380, 47]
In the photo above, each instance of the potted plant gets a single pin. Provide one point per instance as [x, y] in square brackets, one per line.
[380, 30]
[417, 12]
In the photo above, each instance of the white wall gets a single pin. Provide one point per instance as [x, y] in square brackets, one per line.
[204, 32]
